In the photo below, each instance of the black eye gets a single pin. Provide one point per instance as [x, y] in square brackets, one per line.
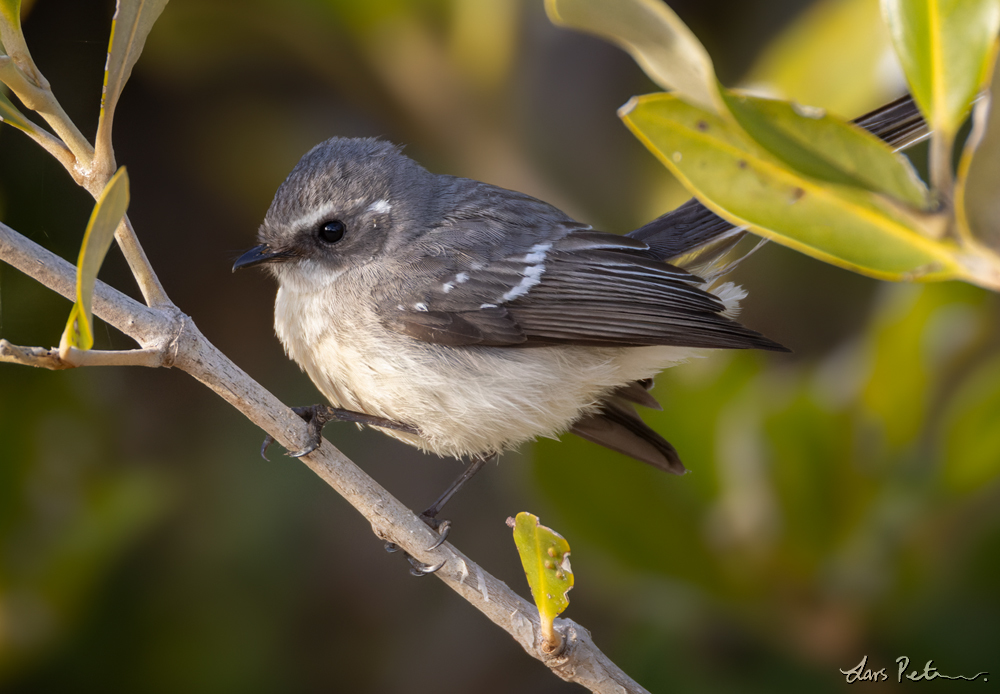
[331, 232]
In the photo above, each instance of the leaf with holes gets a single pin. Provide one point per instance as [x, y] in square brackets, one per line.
[545, 558]
[107, 214]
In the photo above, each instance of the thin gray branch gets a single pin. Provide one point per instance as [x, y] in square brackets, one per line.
[178, 342]
[38, 357]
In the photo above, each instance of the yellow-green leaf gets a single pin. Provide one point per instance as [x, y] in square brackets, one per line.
[945, 48]
[745, 184]
[977, 203]
[835, 54]
[10, 25]
[10, 13]
[655, 37]
[545, 558]
[822, 146]
[108, 212]
[11, 116]
[971, 441]
[132, 22]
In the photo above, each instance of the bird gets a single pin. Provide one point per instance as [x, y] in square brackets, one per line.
[480, 316]
[466, 319]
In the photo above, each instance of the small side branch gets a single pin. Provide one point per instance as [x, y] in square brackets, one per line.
[38, 357]
[149, 284]
[43, 101]
[42, 358]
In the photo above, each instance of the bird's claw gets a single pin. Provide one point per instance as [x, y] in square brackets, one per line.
[442, 528]
[418, 568]
[317, 416]
[268, 440]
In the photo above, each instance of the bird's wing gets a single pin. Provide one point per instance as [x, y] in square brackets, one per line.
[513, 271]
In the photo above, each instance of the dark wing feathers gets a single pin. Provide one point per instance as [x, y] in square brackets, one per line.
[482, 327]
[617, 426]
[559, 283]
[595, 288]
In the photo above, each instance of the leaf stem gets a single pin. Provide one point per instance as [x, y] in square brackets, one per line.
[942, 174]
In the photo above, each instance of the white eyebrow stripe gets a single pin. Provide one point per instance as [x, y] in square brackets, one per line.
[310, 220]
[380, 207]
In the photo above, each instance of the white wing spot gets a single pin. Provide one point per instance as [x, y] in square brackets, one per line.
[420, 306]
[380, 207]
[537, 253]
[487, 305]
[462, 277]
[447, 287]
[532, 276]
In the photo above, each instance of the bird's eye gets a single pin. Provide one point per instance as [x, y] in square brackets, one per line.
[331, 232]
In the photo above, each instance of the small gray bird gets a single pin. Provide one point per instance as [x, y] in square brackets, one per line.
[467, 319]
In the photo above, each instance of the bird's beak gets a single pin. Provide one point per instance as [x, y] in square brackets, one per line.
[257, 255]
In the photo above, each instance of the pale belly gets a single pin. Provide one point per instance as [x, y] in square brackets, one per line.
[465, 401]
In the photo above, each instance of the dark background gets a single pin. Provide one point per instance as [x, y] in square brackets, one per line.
[842, 500]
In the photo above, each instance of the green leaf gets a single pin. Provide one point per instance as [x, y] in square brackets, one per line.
[977, 204]
[825, 57]
[945, 48]
[917, 336]
[10, 11]
[11, 116]
[822, 146]
[655, 37]
[108, 212]
[132, 23]
[545, 558]
[10, 25]
[972, 438]
[742, 182]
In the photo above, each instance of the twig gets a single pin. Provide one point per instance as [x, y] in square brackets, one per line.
[149, 284]
[44, 102]
[32, 356]
[174, 337]
[77, 155]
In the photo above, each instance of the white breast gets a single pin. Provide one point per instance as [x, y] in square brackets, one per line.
[465, 401]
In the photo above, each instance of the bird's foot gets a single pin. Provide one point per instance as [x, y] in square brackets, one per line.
[418, 568]
[317, 416]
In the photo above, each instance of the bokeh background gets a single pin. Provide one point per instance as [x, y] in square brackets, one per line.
[843, 500]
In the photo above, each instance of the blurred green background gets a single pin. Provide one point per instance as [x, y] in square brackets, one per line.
[842, 501]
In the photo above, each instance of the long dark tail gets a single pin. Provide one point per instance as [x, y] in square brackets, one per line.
[684, 235]
[695, 238]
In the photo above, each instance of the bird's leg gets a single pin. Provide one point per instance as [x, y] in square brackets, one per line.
[429, 516]
[316, 416]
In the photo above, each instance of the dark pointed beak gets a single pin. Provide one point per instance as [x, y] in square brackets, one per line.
[257, 255]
